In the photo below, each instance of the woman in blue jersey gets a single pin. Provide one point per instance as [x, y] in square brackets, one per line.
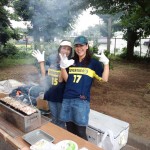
[79, 78]
[54, 94]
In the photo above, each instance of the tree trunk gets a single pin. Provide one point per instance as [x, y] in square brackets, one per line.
[36, 36]
[109, 34]
[131, 39]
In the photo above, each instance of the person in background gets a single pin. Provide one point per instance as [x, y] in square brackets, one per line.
[54, 94]
[79, 78]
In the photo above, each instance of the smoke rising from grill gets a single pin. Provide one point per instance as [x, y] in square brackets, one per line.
[51, 18]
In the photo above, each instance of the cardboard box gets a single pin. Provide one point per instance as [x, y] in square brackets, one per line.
[42, 104]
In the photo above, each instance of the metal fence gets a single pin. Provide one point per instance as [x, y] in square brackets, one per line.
[117, 45]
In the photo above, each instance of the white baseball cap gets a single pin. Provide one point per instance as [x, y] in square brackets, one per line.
[66, 43]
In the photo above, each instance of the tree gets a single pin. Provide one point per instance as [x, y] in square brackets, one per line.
[6, 30]
[110, 26]
[48, 18]
[135, 18]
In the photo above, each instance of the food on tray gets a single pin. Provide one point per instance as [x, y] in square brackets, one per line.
[67, 145]
[43, 145]
[40, 143]
[19, 105]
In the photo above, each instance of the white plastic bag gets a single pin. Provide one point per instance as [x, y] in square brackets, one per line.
[107, 141]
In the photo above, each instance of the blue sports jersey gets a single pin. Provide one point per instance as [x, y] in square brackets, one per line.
[80, 79]
[56, 89]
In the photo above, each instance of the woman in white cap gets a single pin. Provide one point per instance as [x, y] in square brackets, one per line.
[54, 95]
[79, 78]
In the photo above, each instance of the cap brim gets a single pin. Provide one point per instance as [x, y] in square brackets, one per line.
[66, 43]
[78, 43]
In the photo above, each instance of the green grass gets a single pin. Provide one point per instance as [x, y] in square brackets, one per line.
[23, 45]
[9, 62]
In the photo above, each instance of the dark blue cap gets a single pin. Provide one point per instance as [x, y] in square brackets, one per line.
[82, 40]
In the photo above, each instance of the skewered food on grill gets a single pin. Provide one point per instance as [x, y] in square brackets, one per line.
[19, 105]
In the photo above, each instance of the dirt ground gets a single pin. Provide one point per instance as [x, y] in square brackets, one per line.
[126, 96]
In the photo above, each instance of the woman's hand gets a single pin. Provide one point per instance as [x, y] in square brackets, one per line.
[102, 58]
[38, 55]
[64, 62]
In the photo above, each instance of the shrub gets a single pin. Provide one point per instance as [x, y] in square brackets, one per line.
[124, 53]
[94, 49]
[8, 50]
[21, 55]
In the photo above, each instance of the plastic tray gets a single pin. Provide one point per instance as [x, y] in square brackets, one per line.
[36, 135]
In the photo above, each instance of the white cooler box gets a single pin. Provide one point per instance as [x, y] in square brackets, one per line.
[107, 132]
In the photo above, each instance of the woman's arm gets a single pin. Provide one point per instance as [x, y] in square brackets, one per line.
[42, 67]
[105, 74]
[64, 74]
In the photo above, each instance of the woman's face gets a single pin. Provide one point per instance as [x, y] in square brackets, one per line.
[81, 50]
[65, 50]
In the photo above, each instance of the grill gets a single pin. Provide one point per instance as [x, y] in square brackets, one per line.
[24, 117]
